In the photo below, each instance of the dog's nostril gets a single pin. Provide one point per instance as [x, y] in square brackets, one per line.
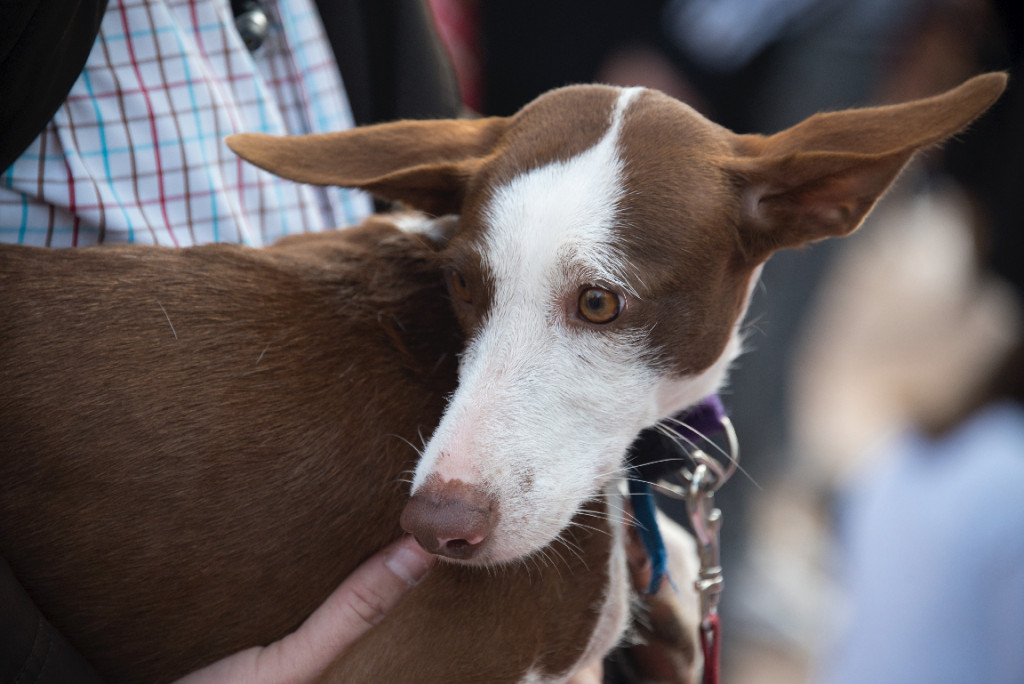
[457, 548]
[451, 519]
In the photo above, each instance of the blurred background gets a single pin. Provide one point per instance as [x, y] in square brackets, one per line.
[880, 534]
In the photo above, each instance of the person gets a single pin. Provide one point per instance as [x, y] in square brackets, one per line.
[112, 119]
[929, 536]
[932, 557]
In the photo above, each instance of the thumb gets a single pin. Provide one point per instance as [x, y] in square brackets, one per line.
[376, 586]
[352, 609]
[360, 602]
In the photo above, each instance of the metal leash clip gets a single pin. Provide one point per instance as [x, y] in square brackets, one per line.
[706, 520]
[706, 478]
[696, 487]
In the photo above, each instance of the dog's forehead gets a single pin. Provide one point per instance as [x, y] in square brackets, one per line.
[560, 215]
[677, 197]
[594, 178]
[557, 126]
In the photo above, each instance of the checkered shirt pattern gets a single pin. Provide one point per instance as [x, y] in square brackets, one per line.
[136, 152]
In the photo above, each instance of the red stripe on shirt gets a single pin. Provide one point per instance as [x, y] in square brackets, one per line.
[152, 124]
[71, 203]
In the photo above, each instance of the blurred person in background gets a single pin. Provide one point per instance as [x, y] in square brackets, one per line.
[928, 462]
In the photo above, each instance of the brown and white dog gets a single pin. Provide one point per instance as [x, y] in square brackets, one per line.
[199, 444]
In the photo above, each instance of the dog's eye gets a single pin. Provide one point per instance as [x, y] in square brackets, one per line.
[459, 286]
[599, 306]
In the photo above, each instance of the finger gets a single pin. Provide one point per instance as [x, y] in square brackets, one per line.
[360, 602]
[377, 586]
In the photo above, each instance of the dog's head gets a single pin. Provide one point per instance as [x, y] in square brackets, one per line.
[607, 245]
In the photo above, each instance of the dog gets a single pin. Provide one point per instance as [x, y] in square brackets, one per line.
[601, 271]
[176, 487]
[200, 444]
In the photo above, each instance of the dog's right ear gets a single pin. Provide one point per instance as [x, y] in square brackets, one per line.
[821, 177]
[424, 164]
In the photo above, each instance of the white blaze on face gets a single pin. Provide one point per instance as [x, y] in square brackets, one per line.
[546, 407]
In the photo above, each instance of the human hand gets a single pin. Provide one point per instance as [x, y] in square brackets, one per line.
[358, 604]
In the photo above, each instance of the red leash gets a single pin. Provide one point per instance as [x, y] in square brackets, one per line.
[711, 646]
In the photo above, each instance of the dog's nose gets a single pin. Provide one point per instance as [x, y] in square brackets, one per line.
[450, 518]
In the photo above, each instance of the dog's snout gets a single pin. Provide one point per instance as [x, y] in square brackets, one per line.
[450, 518]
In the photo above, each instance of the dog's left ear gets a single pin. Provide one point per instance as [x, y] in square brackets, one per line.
[821, 177]
[424, 164]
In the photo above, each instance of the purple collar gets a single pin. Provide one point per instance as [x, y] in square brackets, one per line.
[655, 454]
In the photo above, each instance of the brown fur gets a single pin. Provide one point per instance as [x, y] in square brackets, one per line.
[180, 441]
[194, 442]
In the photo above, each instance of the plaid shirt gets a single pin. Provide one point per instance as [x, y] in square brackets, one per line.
[136, 152]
